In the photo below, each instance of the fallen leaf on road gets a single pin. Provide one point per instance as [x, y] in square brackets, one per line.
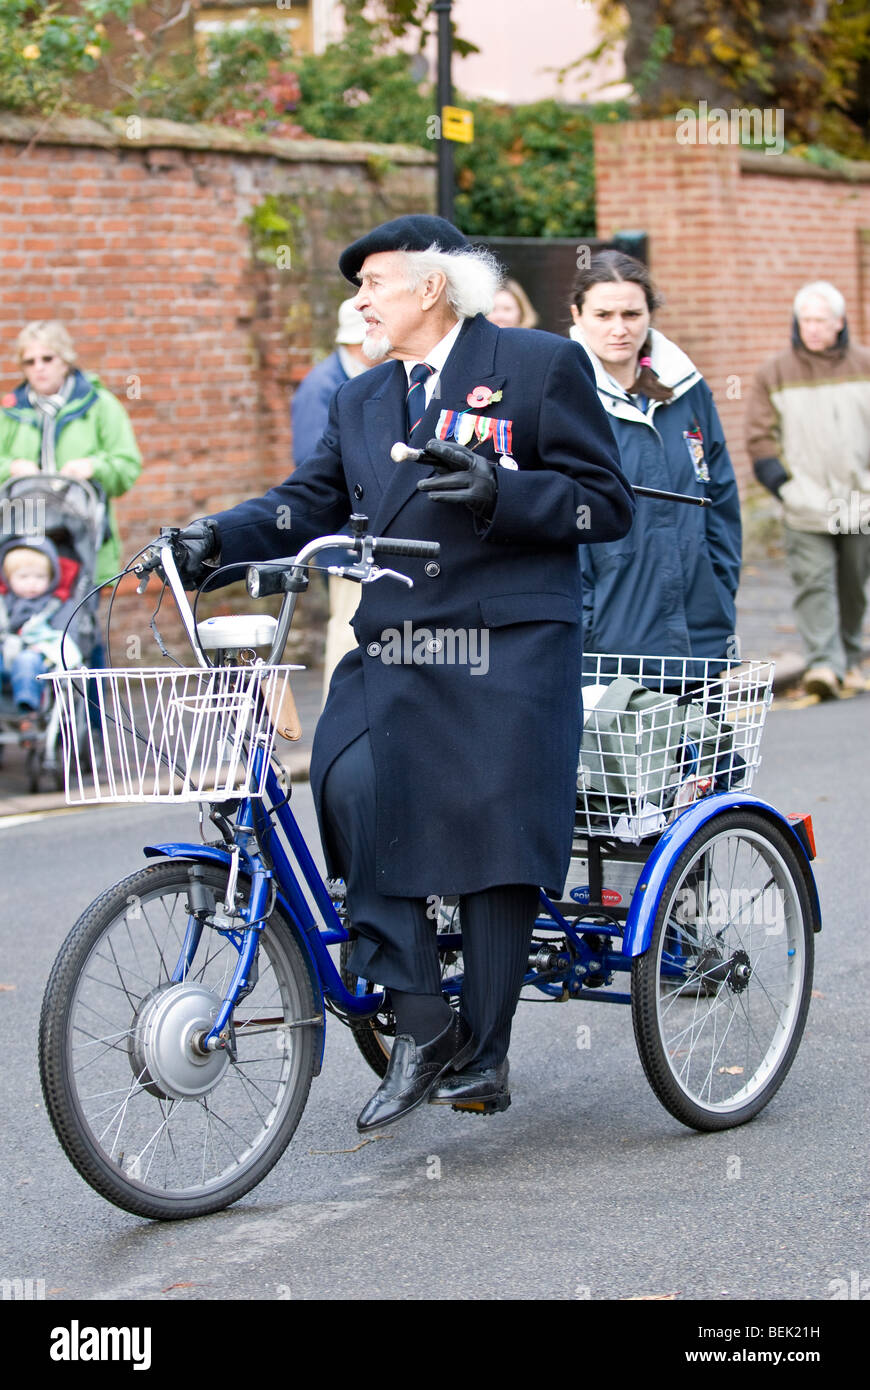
[355, 1148]
[649, 1297]
[730, 1071]
[178, 1286]
[8, 987]
[816, 994]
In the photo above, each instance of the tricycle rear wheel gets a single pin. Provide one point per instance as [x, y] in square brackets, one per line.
[720, 998]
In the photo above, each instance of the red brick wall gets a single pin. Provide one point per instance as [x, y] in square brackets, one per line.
[733, 236]
[142, 248]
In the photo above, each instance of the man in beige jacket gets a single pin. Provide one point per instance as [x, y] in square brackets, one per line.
[808, 434]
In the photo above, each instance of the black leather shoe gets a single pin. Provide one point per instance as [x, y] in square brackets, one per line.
[413, 1071]
[477, 1092]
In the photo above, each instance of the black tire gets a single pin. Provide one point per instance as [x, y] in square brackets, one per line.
[152, 1126]
[374, 1036]
[33, 767]
[720, 998]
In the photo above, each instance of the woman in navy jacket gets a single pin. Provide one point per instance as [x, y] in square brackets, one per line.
[668, 586]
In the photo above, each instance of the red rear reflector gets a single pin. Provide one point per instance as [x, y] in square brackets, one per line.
[802, 823]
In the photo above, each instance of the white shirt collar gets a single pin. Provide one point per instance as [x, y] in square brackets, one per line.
[436, 357]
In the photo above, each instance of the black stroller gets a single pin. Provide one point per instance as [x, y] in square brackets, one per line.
[72, 515]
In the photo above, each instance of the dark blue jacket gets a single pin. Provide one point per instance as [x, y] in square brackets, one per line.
[475, 760]
[668, 586]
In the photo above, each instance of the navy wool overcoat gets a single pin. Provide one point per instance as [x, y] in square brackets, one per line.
[475, 741]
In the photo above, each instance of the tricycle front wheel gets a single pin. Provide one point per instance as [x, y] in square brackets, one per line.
[152, 1123]
[720, 998]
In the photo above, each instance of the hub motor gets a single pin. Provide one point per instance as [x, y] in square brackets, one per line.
[164, 1043]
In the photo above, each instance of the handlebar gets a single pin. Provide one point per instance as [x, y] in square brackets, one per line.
[288, 576]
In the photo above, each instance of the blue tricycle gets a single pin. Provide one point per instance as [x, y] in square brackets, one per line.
[185, 1015]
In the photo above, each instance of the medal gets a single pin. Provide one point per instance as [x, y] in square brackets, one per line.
[463, 430]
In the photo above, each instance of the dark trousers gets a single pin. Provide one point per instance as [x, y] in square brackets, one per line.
[829, 574]
[395, 943]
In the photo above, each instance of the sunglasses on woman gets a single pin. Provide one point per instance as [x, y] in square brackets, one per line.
[32, 361]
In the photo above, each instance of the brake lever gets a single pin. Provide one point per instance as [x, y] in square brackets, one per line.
[145, 569]
[368, 573]
[152, 557]
[377, 573]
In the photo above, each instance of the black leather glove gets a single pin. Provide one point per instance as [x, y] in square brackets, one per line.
[466, 477]
[192, 548]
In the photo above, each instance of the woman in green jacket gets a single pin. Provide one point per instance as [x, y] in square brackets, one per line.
[61, 420]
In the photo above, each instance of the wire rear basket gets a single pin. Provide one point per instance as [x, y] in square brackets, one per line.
[167, 734]
[661, 732]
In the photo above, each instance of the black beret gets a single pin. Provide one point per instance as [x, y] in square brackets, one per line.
[415, 232]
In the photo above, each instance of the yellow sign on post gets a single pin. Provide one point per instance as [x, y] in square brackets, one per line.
[457, 124]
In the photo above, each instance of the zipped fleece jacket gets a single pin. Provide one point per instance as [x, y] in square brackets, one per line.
[808, 430]
[667, 588]
[92, 424]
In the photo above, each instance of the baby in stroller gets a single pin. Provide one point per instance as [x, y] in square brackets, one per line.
[51, 529]
[35, 607]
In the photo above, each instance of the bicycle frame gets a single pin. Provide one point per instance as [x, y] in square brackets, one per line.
[253, 819]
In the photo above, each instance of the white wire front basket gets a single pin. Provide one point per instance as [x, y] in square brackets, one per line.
[167, 734]
[662, 732]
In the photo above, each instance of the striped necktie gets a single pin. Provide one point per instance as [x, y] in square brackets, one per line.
[415, 401]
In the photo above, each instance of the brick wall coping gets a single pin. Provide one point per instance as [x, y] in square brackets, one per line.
[110, 132]
[849, 171]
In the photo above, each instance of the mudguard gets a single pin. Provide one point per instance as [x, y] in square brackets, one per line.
[216, 855]
[651, 884]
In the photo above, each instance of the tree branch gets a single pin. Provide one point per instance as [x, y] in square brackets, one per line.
[176, 19]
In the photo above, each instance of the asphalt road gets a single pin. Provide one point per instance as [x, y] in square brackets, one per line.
[585, 1188]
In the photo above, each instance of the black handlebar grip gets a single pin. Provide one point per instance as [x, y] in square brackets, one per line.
[424, 550]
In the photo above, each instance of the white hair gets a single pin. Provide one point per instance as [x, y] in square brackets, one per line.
[823, 290]
[473, 276]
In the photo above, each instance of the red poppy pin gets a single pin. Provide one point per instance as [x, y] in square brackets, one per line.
[8, 400]
[481, 396]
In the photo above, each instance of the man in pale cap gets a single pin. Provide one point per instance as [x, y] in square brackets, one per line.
[309, 408]
[432, 776]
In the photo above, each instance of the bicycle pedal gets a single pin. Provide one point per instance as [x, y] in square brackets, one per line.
[482, 1107]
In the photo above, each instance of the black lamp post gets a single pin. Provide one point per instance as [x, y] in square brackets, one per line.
[445, 98]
